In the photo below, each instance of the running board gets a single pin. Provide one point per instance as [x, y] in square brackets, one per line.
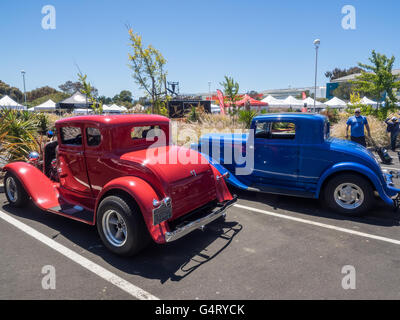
[74, 212]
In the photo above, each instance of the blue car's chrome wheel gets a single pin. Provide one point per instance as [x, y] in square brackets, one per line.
[348, 193]
[349, 196]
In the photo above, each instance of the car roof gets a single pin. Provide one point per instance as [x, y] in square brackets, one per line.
[292, 115]
[111, 120]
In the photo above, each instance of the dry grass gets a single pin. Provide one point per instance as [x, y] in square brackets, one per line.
[186, 132]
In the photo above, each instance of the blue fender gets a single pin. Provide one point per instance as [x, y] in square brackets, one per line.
[232, 179]
[355, 167]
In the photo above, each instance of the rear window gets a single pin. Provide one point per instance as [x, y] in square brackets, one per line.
[145, 132]
[71, 136]
[275, 130]
[93, 137]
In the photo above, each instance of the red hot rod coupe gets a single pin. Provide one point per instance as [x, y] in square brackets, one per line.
[99, 172]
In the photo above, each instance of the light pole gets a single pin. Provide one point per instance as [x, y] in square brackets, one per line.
[316, 44]
[23, 78]
[209, 89]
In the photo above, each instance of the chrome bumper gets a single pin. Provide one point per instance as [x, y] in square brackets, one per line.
[199, 223]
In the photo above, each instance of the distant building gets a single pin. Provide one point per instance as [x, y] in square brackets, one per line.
[284, 93]
[333, 84]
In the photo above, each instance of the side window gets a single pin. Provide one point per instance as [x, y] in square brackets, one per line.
[71, 136]
[93, 137]
[327, 129]
[275, 130]
[143, 132]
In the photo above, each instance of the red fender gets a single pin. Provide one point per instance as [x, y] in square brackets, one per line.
[222, 190]
[41, 189]
[144, 195]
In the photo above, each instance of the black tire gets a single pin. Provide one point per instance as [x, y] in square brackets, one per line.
[135, 237]
[15, 192]
[366, 201]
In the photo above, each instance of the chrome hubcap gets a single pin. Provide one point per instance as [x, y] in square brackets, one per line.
[349, 196]
[11, 188]
[114, 228]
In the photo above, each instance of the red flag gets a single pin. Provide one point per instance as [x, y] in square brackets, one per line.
[303, 95]
[221, 101]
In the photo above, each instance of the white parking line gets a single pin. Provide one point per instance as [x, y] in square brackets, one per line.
[103, 273]
[319, 224]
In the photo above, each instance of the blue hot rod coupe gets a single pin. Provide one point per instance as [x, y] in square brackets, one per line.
[293, 154]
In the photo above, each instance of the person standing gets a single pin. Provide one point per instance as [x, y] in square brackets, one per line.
[393, 126]
[357, 124]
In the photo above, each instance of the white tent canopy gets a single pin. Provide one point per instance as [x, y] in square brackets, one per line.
[82, 111]
[365, 100]
[120, 108]
[336, 103]
[111, 109]
[272, 101]
[7, 103]
[292, 102]
[49, 105]
[310, 102]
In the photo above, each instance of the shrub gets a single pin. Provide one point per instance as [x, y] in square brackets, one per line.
[19, 131]
[332, 115]
[246, 116]
[43, 122]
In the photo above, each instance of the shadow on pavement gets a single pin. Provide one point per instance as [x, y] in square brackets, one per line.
[172, 261]
[380, 215]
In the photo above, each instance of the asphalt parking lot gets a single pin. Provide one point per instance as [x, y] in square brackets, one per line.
[269, 247]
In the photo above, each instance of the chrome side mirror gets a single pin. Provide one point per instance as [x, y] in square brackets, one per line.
[33, 156]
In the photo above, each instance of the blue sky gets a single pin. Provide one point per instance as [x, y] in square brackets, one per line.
[261, 44]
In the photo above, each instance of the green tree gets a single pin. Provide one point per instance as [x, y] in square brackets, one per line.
[56, 97]
[343, 90]
[70, 87]
[231, 90]
[339, 73]
[148, 66]
[87, 89]
[377, 79]
[40, 92]
[105, 100]
[13, 92]
[123, 96]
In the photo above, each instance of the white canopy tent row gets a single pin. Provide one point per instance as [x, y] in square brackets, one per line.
[365, 100]
[7, 103]
[293, 102]
[114, 109]
[310, 102]
[48, 106]
[80, 111]
[120, 108]
[336, 103]
[273, 102]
